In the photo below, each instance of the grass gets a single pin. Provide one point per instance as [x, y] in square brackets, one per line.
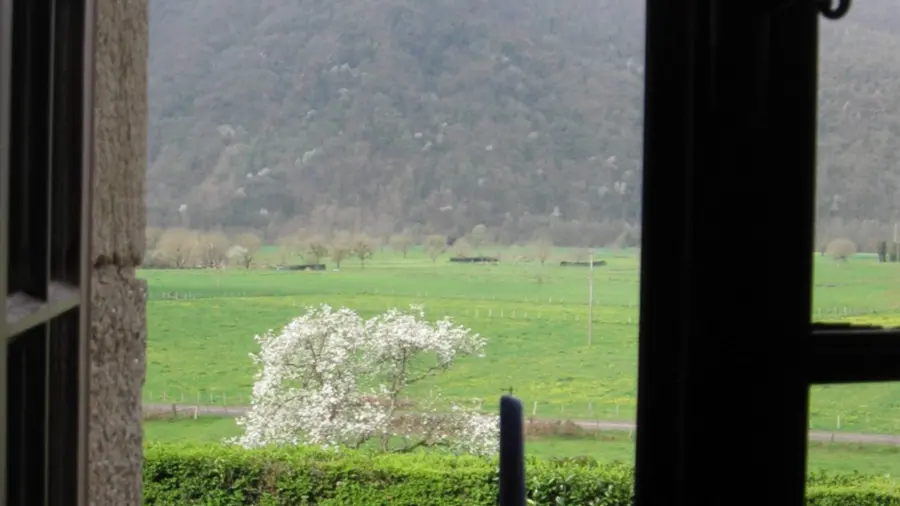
[537, 332]
[201, 327]
[604, 447]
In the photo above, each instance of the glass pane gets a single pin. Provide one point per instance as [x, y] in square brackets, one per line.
[29, 171]
[482, 160]
[854, 443]
[858, 211]
[857, 236]
[63, 430]
[26, 417]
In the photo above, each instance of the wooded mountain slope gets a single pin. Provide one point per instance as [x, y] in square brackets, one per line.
[443, 114]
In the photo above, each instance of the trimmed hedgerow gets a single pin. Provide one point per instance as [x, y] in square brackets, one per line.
[222, 475]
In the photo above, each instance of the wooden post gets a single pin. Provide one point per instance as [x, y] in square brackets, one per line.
[591, 300]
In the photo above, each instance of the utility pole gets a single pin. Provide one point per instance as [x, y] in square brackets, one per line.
[591, 300]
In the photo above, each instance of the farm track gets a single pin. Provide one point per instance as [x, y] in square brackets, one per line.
[597, 425]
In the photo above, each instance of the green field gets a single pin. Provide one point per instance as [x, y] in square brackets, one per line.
[604, 447]
[201, 327]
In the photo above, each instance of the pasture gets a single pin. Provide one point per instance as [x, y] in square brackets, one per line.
[602, 446]
[201, 325]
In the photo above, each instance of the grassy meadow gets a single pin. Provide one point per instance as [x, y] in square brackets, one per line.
[602, 446]
[202, 323]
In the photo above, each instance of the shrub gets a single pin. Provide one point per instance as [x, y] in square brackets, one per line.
[219, 475]
[840, 249]
[852, 489]
[213, 474]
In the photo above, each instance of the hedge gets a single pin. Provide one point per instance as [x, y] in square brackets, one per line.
[217, 475]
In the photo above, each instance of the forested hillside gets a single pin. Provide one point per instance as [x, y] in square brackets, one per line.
[437, 115]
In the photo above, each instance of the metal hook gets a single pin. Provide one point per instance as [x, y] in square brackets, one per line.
[831, 12]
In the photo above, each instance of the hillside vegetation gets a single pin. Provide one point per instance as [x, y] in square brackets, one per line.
[438, 115]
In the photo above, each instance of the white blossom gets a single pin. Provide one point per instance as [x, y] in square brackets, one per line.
[332, 379]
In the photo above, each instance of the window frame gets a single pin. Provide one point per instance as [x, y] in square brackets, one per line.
[691, 97]
[730, 99]
[50, 208]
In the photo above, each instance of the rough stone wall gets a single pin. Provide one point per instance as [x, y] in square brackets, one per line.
[118, 327]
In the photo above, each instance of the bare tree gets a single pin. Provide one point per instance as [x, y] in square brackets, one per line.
[512, 254]
[543, 250]
[341, 248]
[151, 238]
[401, 243]
[212, 249]
[315, 249]
[436, 245]
[841, 249]
[176, 247]
[289, 246]
[477, 237]
[461, 248]
[246, 246]
[363, 248]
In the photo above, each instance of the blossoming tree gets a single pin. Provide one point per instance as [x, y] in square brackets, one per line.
[333, 379]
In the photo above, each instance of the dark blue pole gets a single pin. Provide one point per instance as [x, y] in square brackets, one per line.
[512, 453]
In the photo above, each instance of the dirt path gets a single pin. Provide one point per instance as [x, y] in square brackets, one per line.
[814, 435]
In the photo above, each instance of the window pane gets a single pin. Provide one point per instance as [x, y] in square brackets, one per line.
[63, 398]
[853, 429]
[26, 413]
[31, 106]
[66, 189]
[858, 212]
[470, 157]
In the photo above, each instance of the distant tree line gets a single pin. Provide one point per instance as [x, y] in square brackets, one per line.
[183, 248]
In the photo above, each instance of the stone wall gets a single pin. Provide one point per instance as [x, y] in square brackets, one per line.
[118, 327]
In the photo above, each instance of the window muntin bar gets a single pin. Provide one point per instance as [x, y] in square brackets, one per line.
[6, 24]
